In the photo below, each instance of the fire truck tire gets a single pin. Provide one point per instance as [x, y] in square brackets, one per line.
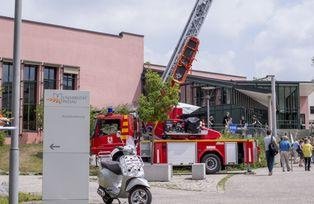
[212, 163]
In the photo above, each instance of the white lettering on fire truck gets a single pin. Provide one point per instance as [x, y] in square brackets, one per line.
[210, 147]
[220, 143]
[109, 139]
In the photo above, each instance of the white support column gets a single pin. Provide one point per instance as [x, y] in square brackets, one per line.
[273, 96]
[270, 122]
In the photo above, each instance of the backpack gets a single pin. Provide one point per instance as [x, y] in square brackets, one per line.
[273, 148]
[299, 151]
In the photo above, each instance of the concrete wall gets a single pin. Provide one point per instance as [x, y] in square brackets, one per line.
[110, 65]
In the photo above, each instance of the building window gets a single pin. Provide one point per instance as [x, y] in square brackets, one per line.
[7, 85]
[50, 76]
[29, 105]
[69, 81]
[226, 96]
[312, 109]
[287, 106]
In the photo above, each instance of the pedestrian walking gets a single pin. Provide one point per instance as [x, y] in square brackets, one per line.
[281, 139]
[226, 121]
[295, 147]
[284, 147]
[270, 157]
[307, 152]
[211, 121]
[242, 121]
[300, 152]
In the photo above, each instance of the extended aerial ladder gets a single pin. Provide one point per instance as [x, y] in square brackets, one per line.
[184, 53]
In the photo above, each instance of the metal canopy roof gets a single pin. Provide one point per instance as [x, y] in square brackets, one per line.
[306, 88]
[257, 96]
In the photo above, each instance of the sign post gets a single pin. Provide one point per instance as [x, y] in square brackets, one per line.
[66, 147]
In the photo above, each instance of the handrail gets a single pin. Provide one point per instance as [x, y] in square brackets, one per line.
[7, 128]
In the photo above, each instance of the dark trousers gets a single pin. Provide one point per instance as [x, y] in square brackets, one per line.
[307, 163]
[270, 161]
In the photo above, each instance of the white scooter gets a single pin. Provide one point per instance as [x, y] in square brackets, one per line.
[122, 176]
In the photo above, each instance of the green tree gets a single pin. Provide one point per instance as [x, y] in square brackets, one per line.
[157, 101]
[92, 118]
[40, 115]
[124, 109]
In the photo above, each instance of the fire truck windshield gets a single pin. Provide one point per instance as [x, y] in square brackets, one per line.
[108, 127]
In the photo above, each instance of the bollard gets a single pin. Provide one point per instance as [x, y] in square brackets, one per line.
[198, 171]
[158, 172]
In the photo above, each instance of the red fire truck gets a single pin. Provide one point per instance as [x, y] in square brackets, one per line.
[178, 141]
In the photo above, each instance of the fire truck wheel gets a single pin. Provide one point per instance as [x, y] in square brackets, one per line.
[212, 163]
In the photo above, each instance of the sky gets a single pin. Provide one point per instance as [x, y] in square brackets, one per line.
[250, 38]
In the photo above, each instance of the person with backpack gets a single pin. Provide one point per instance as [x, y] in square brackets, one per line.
[300, 152]
[270, 151]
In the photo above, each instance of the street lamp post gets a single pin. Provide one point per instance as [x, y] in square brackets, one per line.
[208, 111]
[208, 88]
[14, 151]
[273, 104]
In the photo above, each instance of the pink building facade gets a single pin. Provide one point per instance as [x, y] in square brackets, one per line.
[56, 57]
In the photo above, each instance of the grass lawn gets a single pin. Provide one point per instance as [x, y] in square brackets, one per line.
[23, 197]
[30, 158]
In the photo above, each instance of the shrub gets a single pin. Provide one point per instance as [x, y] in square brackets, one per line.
[3, 134]
[40, 115]
[262, 157]
[123, 109]
[23, 197]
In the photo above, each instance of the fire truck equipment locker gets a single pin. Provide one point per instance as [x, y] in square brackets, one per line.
[181, 153]
[231, 153]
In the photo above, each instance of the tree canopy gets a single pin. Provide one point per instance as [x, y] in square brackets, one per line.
[158, 98]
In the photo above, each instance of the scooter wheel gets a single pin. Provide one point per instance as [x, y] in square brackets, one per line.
[140, 195]
[107, 199]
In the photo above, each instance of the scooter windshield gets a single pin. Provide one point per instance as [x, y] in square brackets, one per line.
[130, 142]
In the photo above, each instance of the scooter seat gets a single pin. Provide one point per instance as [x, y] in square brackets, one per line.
[112, 166]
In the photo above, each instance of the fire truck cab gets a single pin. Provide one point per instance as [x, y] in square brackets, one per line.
[111, 130]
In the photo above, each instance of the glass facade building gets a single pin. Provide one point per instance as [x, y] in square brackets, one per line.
[244, 98]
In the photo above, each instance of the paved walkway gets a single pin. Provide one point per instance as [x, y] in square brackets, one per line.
[283, 187]
[293, 187]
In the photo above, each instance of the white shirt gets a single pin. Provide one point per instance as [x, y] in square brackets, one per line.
[267, 140]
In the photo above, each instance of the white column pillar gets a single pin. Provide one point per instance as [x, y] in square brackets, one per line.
[270, 122]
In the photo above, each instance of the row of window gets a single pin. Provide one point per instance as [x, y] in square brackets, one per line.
[30, 78]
